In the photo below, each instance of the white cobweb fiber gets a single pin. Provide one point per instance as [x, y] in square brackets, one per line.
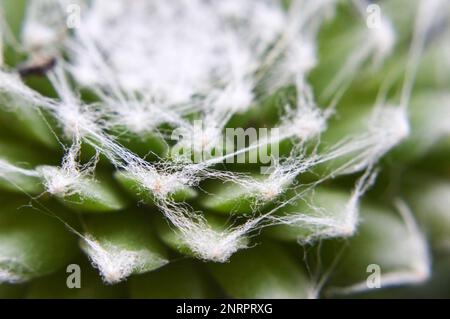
[205, 242]
[7, 167]
[69, 179]
[387, 126]
[324, 223]
[192, 47]
[151, 63]
[115, 263]
[306, 120]
[211, 244]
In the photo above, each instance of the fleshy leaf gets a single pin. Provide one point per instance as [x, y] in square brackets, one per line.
[87, 195]
[32, 243]
[18, 179]
[134, 188]
[430, 201]
[59, 285]
[430, 129]
[121, 244]
[172, 238]
[386, 245]
[177, 280]
[323, 213]
[11, 291]
[16, 163]
[228, 198]
[231, 198]
[267, 271]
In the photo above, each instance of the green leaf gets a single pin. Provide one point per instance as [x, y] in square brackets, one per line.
[55, 286]
[172, 238]
[351, 122]
[32, 243]
[432, 73]
[228, 198]
[22, 152]
[135, 189]
[322, 213]
[149, 146]
[26, 122]
[386, 245]
[16, 162]
[94, 196]
[11, 291]
[13, 14]
[267, 271]
[122, 244]
[429, 118]
[180, 279]
[430, 201]
[18, 179]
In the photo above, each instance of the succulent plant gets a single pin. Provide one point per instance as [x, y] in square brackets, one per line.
[245, 149]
